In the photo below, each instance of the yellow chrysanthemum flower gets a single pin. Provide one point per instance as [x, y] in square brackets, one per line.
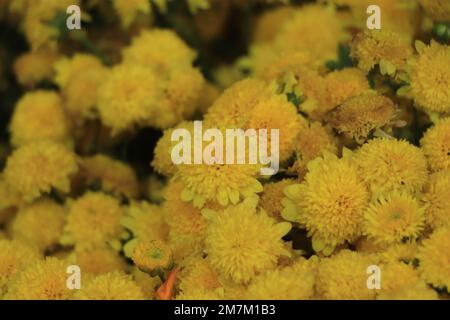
[14, 257]
[127, 97]
[343, 84]
[39, 115]
[438, 10]
[36, 168]
[277, 113]
[242, 243]
[68, 68]
[434, 255]
[272, 197]
[233, 107]
[98, 261]
[294, 282]
[110, 286]
[313, 140]
[40, 223]
[115, 176]
[394, 217]
[152, 256]
[330, 203]
[146, 222]
[385, 48]
[361, 115]
[218, 183]
[299, 32]
[41, 280]
[129, 10]
[344, 276]
[436, 145]
[32, 68]
[389, 164]
[197, 273]
[430, 78]
[436, 194]
[158, 49]
[94, 221]
[164, 53]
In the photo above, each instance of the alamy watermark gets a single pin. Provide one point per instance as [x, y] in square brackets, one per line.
[190, 150]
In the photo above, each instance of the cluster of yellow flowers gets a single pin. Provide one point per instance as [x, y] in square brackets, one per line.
[364, 149]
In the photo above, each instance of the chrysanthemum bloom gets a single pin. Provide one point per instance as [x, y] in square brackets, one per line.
[389, 164]
[218, 183]
[344, 276]
[115, 176]
[39, 115]
[40, 223]
[41, 280]
[242, 243]
[438, 10]
[436, 195]
[152, 256]
[80, 94]
[434, 255]
[312, 141]
[385, 48]
[330, 202]
[164, 53]
[184, 220]
[14, 257]
[436, 145]
[430, 77]
[299, 32]
[146, 222]
[36, 168]
[272, 196]
[94, 221]
[98, 261]
[361, 115]
[419, 292]
[394, 217]
[197, 273]
[294, 282]
[396, 276]
[277, 113]
[110, 286]
[343, 84]
[128, 10]
[128, 96]
[162, 160]
[233, 107]
[34, 67]
[67, 68]
[39, 33]
[160, 50]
